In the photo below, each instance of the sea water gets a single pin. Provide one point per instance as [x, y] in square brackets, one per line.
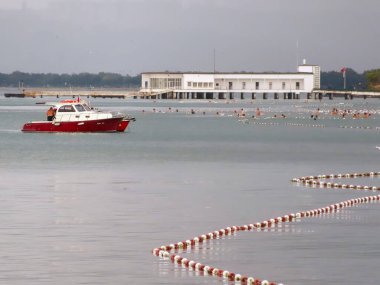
[89, 208]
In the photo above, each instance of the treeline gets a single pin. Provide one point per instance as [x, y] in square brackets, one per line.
[88, 80]
[354, 81]
[368, 80]
[373, 79]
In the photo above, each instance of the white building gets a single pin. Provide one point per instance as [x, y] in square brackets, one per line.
[221, 85]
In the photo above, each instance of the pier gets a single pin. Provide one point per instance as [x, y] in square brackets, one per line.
[48, 92]
[205, 95]
[346, 94]
[171, 94]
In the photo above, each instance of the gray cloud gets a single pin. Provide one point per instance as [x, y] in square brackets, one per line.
[132, 36]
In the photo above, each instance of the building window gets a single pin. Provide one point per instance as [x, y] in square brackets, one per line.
[200, 84]
[175, 83]
[283, 85]
[205, 84]
[163, 83]
[243, 85]
[159, 83]
[257, 85]
[210, 84]
[146, 84]
[194, 84]
[189, 84]
[297, 86]
[178, 83]
[230, 85]
[270, 85]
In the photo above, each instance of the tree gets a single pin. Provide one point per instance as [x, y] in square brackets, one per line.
[334, 80]
[373, 79]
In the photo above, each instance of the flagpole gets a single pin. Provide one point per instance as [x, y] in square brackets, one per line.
[344, 80]
[343, 71]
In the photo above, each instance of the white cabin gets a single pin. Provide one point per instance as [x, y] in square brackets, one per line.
[78, 111]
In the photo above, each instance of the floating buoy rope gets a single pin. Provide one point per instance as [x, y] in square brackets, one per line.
[169, 251]
[246, 121]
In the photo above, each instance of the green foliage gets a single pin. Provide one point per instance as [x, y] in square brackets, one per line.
[373, 78]
[88, 80]
[334, 80]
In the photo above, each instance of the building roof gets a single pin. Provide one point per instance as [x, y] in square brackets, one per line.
[222, 73]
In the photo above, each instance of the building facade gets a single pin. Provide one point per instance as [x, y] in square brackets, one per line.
[203, 85]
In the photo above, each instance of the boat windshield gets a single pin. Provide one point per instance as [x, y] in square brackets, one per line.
[86, 107]
[80, 108]
[66, 108]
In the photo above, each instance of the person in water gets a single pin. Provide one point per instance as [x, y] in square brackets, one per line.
[50, 114]
[258, 112]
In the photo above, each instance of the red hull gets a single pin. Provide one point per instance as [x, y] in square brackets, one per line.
[104, 125]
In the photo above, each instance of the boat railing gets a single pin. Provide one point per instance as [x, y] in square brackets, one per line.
[118, 115]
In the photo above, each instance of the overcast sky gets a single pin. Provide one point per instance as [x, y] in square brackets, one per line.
[133, 36]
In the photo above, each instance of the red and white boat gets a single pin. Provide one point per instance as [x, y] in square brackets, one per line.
[76, 116]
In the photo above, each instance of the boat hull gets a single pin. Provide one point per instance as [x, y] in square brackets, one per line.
[90, 126]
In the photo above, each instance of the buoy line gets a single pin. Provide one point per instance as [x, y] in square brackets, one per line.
[309, 125]
[315, 181]
[288, 124]
[168, 251]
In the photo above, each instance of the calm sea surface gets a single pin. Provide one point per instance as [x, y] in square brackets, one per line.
[89, 208]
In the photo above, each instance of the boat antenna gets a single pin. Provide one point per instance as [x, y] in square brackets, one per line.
[297, 46]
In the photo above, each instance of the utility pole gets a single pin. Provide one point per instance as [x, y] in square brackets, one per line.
[214, 60]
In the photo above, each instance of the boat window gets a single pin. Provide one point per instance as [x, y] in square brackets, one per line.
[66, 108]
[80, 108]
